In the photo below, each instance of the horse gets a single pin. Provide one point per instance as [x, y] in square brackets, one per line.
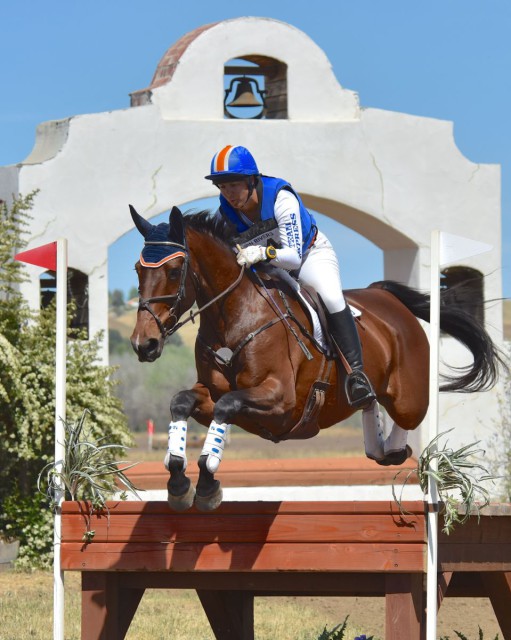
[259, 364]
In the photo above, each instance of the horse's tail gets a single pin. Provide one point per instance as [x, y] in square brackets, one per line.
[482, 374]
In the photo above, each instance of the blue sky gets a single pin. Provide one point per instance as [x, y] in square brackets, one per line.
[446, 59]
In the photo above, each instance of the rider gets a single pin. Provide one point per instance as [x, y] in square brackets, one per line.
[249, 199]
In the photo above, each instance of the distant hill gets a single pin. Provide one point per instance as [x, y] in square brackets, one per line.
[125, 324]
[507, 320]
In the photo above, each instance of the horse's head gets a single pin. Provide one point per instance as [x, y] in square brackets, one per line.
[162, 276]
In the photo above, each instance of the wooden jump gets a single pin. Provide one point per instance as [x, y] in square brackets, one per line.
[249, 549]
[303, 472]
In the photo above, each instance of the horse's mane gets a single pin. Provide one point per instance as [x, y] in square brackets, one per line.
[205, 222]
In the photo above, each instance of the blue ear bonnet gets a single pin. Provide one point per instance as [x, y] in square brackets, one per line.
[154, 255]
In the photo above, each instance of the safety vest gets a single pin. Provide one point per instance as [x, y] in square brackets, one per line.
[271, 188]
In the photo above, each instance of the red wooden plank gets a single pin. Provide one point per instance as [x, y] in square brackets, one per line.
[249, 528]
[474, 557]
[280, 472]
[243, 557]
[259, 507]
[486, 530]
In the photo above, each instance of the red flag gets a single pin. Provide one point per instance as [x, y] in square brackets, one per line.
[44, 256]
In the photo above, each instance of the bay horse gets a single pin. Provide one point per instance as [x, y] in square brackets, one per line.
[258, 363]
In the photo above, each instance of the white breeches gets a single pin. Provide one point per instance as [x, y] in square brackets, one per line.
[320, 270]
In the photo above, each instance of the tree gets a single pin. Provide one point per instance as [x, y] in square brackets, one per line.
[27, 403]
[117, 301]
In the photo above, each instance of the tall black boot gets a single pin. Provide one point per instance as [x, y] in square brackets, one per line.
[359, 391]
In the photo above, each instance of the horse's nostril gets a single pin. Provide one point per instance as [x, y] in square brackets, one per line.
[148, 350]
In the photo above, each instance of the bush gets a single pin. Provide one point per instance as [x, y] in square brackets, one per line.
[27, 403]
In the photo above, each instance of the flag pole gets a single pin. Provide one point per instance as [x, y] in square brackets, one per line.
[432, 495]
[60, 417]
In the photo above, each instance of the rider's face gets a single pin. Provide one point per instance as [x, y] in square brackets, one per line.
[236, 193]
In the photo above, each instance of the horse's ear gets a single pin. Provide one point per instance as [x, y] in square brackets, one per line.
[176, 226]
[144, 226]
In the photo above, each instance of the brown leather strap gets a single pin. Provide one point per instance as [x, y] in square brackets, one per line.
[308, 427]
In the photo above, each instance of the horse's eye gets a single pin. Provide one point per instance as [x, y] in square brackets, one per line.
[173, 274]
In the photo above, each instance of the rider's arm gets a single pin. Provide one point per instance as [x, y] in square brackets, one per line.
[287, 215]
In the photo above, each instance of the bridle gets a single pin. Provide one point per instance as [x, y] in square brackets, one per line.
[174, 300]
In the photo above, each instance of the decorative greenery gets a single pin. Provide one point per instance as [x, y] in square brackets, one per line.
[88, 471]
[463, 637]
[27, 403]
[337, 633]
[455, 474]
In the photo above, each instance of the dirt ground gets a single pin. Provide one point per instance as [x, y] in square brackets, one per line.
[465, 615]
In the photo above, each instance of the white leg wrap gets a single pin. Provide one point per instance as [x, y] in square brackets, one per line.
[396, 440]
[372, 422]
[177, 442]
[214, 444]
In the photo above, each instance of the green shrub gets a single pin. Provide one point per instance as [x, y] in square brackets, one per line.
[27, 403]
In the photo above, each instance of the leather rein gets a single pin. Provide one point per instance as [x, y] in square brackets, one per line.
[174, 300]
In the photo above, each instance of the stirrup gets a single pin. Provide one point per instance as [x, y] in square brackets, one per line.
[359, 391]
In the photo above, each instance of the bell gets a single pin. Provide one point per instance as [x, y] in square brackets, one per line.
[244, 95]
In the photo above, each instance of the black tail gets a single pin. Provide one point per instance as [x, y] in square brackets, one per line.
[483, 373]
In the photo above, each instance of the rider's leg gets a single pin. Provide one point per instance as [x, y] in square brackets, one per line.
[320, 270]
[344, 332]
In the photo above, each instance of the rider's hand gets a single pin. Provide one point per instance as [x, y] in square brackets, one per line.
[251, 255]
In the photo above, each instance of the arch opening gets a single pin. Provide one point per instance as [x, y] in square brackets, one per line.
[77, 293]
[265, 80]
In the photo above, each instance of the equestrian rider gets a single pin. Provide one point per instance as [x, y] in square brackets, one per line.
[248, 200]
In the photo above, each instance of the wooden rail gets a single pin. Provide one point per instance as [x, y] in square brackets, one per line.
[304, 472]
[249, 549]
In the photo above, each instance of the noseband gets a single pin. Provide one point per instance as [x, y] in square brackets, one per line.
[143, 303]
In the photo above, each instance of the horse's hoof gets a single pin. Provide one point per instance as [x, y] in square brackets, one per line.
[183, 502]
[211, 502]
[396, 457]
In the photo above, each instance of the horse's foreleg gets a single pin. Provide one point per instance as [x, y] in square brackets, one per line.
[209, 493]
[254, 402]
[181, 493]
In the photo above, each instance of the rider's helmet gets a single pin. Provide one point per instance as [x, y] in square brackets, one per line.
[232, 163]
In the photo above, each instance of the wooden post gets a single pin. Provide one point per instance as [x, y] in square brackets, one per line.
[404, 607]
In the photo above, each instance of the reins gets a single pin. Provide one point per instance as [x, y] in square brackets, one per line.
[143, 303]
[174, 300]
[194, 314]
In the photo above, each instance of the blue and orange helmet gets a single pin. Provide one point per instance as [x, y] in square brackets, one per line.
[232, 163]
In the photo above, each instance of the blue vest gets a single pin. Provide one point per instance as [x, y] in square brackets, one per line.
[271, 188]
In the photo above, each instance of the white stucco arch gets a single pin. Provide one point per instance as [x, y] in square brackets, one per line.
[390, 176]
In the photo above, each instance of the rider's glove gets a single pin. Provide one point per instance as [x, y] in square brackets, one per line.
[251, 255]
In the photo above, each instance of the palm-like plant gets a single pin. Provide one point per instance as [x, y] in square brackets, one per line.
[88, 471]
[457, 477]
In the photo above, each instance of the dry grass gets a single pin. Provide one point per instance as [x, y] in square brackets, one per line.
[26, 605]
[26, 613]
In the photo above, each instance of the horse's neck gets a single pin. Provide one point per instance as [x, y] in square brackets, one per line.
[216, 269]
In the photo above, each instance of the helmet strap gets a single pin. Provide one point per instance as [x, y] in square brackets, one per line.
[252, 183]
